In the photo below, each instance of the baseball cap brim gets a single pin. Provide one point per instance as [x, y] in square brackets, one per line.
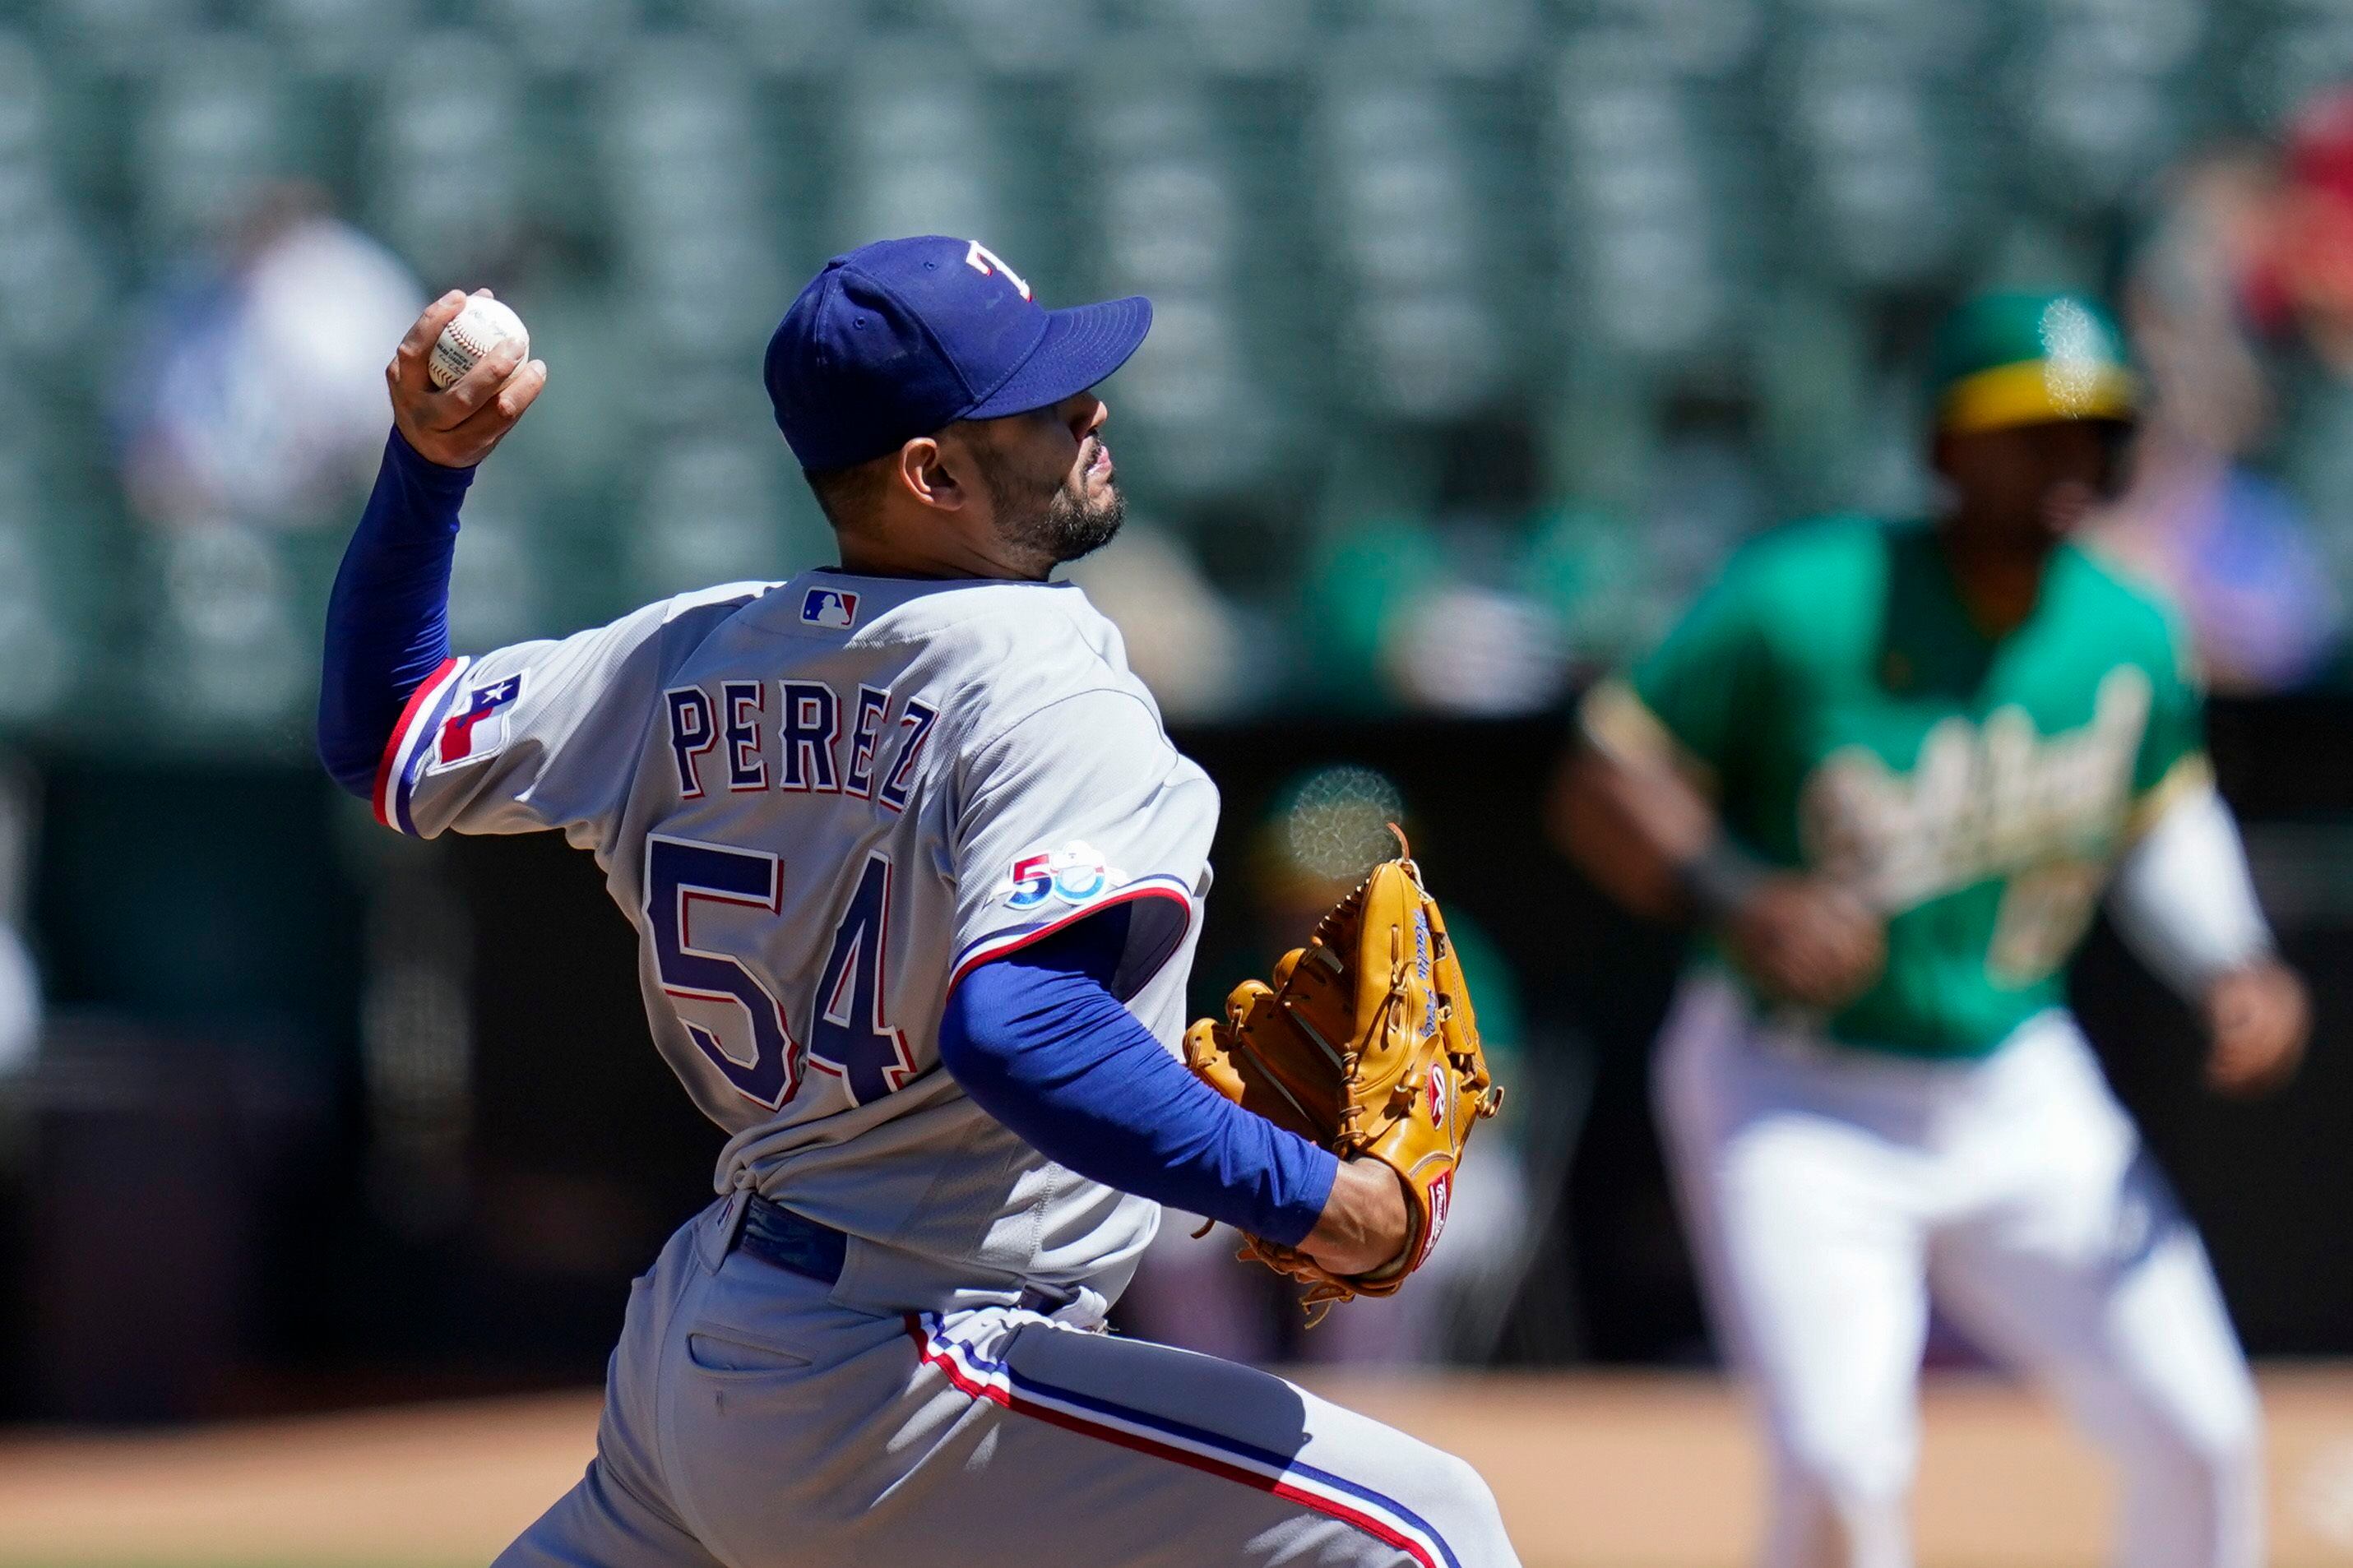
[2038, 392]
[1081, 346]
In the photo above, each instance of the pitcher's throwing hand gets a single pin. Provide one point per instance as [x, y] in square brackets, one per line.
[457, 428]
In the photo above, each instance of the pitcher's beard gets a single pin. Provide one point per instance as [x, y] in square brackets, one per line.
[1067, 527]
[1073, 526]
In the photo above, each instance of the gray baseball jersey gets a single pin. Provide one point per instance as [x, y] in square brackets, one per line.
[821, 803]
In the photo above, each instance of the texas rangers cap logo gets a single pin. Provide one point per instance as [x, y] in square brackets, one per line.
[479, 729]
[829, 608]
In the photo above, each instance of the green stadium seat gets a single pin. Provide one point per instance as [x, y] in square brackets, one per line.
[569, 39]
[44, 601]
[1239, 37]
[222, 650]
[24, 98]
[217, 125]
[2287, 57]
[2095, 128]
[1687, 39]
[1017, 37]
[936, 162]
[53, 290]
[339, 37]
[720, 507]
[781, 37]
[1167, 219]
[131, 38]
[1639, 217]
[502, 588]
[45, 663]
[683, 147]
[1870, 175]
[449, 102]
[1475, 38]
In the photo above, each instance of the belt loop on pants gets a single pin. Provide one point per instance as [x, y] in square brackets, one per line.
[714, 1232]
[774, 1234]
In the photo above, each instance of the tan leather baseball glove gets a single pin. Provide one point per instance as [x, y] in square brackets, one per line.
[1365, 1044]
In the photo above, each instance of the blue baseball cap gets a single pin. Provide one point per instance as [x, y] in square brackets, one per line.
[902, 337]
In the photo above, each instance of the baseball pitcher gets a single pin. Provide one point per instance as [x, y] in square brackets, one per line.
[917, 877]
[1892, 768]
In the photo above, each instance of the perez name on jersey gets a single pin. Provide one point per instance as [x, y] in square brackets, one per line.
[863, 743]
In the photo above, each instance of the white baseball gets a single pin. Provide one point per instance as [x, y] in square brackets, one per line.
[481, 327]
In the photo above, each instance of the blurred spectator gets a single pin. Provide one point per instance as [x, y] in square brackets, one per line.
[2234, 546]
[255, 392]
[2310, 280]
[1326, 830]
[1411, 613]
[2311, 266]
[252, 406]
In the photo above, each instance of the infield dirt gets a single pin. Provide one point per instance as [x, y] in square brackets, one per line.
[1593, 1471]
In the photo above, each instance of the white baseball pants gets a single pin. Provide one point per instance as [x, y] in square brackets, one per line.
[1830, 1191]
[750, 1423]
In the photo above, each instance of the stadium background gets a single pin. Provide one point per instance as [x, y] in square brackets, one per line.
[1485, 327]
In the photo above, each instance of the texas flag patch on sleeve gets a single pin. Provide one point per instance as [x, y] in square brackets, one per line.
[479, 729]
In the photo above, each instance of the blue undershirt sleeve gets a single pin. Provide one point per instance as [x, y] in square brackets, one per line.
[389, 617]
[1039, 1042]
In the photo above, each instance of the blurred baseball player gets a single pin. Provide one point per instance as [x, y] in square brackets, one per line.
[1892, 768]
[917, 878]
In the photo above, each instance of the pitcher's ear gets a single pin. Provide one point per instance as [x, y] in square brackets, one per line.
[924, 474]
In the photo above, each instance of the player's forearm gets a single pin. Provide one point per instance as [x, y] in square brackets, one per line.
[387, 618]
[1039, 1043]
[1635, 827]
[2184, 900]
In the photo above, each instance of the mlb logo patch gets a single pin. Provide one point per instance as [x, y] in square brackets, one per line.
[829, 608]
[479, 729]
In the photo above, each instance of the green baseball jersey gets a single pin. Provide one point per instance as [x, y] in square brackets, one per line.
[1847, 715]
